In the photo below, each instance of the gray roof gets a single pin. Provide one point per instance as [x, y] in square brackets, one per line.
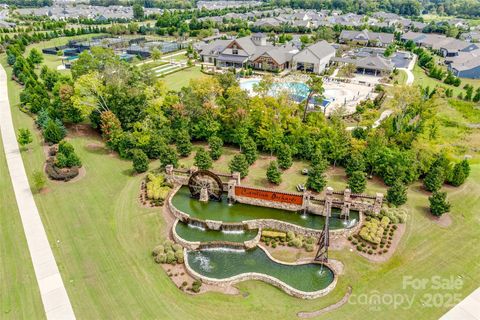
[367, 36]
[466, 60]
[315, 52]
[372, 62]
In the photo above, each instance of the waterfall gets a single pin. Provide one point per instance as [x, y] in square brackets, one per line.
[197, 225]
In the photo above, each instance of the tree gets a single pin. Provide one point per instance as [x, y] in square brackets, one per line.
[202, 159]
[156, 54]
[39, 180]
[397, 193]
[316, 178]
[215, 144]
[438, 203]
[284, 157]
[110, 127]
[460, 173]
[138, 12]
[139, 161]
[239, 164]
[184, 145]
[357, 181]
[54, 131]
[434, 179]
[167, 156]
[35, 56]
[356, 162]
[273, 173]
[249, 149]
[24, 137]
[318, 160]
[315, 84]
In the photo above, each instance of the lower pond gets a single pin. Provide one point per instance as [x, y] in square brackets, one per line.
[226, 263]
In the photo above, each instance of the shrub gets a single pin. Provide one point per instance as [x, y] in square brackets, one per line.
[196, 285]
[372, 231]
[273, 173]
[312, 240]
[54, 131]
[439, 204]
[158, 250]
[202, 159]
[39, 180]
[56, 173]
[359, 248]
[24, 137]
[161, 258]
[274, 244]
[297, 243]
[290, 235]
[171, 257]
[273, 234]
[157, 189]
[309, 247]
[215, 144]
[179, 256]
[176, 247]
[239, 164]
[139, 161]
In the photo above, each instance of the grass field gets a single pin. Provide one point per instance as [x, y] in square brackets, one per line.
[19, 294]
[102, 240]
[423, 80]
[401, 78]
[177, 80]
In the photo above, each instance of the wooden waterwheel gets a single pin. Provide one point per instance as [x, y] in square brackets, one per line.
[206, 182]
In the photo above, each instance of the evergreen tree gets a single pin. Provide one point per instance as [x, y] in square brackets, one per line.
[318, 160]
[397, 193]
[24, 137]
[168, 155]
[202, 159]
[249, 149]
[273, 173]
[459, 173]
[139, 161]
[215, 143]
[357, 182]
[434, 179]
[438, 203]
[316, 178]
[355, 163]
[239, 164]
[184, 145]
[35, 56]
[284, 157]
[54, 131]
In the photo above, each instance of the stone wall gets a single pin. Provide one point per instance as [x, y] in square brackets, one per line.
[263, 277]
[269, 204]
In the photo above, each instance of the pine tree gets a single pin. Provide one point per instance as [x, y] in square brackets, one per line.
[316, 178]
[284, 157]
[184, 145]
[249, 149]
[202, 159]
[273, 173]
[434, 179]
[215, 143]
[439, 204]
[355, 163]
[459, 173]
[139, 161]
[54, 131]
[239, 164]
[397, 193]
[357, 182]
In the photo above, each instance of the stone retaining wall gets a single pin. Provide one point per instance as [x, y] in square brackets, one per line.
[268, 204]
[194, 245]
[263, 277]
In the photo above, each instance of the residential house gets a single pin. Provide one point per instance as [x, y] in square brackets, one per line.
[372, 65]
[365, 37]
[466, 64]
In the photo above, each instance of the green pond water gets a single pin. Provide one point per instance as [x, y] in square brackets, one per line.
[193, 233]
[224, 263]
[222, 211]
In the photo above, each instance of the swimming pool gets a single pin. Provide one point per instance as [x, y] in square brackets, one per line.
[298, 91]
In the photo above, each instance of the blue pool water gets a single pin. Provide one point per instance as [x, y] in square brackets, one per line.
[298, 91]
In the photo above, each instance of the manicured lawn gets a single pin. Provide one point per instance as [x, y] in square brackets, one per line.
[102, 240]
[401, 78]
[19, 294]
[177, 80]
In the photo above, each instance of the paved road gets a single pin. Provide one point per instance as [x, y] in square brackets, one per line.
[54, 296]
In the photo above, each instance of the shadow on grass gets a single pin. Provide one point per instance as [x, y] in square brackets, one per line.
[96, 149]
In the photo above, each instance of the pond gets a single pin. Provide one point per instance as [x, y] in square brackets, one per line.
[238, 212]
[226, 263]
[194, 233]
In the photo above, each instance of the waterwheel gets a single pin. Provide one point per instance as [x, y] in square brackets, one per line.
[205, 185]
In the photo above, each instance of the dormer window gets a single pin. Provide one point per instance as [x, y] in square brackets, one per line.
[235, 49]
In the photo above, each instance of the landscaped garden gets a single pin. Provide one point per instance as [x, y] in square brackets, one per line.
[102, 235]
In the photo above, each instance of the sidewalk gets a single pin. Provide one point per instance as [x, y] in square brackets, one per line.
[54, 296]
[467, 309]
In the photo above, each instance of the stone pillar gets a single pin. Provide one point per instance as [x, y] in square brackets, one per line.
[328, 200]
[347, 202]
[204, 195]
[377, 206]
[306, 200]
[169, 173]
[236, 177]
[192, 169]
[231, 191]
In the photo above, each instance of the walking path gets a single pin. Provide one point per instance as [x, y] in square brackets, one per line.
[410, 77]
[54, 296]
[467, 309]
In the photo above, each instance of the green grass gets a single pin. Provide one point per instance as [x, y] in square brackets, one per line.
[19, 294]
[401, 78]
[102, 241]
[177, 80]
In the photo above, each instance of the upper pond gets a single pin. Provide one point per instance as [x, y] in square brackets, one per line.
[238, 212]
